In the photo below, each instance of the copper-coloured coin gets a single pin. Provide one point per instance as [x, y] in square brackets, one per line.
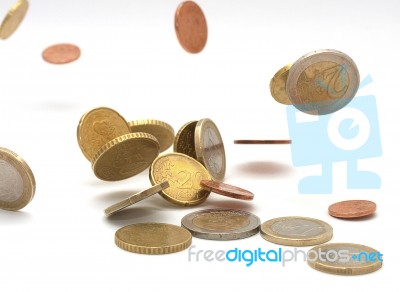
[352, 209]
[226, 190]
[262, 141]
[191, 27]
[61, 54]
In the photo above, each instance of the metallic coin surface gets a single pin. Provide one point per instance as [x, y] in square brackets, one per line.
[322, 82]
[61, 54]
[352, 209]
[184, 175]
[17, 183]
[125, 156]
[135, 198]
[262, 141]
[97, 127]
[13, 18]
[184, 140]
[221, 224]
[344, 259]
[296, 231]
[277, 86]
[210, 149]
[226, 190]
[191, 27]
[153, 238]
[163, 132]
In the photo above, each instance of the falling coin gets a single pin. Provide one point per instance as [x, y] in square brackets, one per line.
[344, 259]
[17, 183]
[61, 54]
[277, 86]
[262, 141]
[352, 209]
[226, 190]
[296, 231]
[184, 140]
[13, 19]
[221, 224]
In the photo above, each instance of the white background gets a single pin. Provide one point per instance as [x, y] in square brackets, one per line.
[131, 61]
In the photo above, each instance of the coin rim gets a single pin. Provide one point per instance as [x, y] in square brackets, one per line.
[14, 8]
[262, 142]
[273, 82]
[231, 194]
[352, 215]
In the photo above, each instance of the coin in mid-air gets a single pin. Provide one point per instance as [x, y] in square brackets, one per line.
[13, 18]
[221, 224]
[296, 231]
[226, 190]
[277, 86]
[184, 140]
[61, 54]
[153, 238]
[183, 174]
[352, 209]
[344, 259]
[322, 82]
[262, 142]
[191, 27]
[17, 183]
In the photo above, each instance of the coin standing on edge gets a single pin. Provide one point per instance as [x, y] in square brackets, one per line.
[262, 142]
[277, 85]
[13, 18]
[296, 231]
[329, 258]
[226, 190]
[184, 140]
[17, 183]
[221, 224]
[352, 209]
[61, 54]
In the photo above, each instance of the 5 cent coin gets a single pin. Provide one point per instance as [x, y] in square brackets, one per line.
[352, 209]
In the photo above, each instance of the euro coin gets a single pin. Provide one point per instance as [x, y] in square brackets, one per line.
[61, 54]
[352, 209]
[13, 19]
[277, 86]
[226, 190]
[184, 140]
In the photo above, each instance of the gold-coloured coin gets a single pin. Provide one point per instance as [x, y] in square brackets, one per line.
[344, 259]
[184, 175]
[97, 127]
[17, 183]
[13, 18]
[153, 238]
[163, 132]
[184, 140]
[125, 156]
[277, 86]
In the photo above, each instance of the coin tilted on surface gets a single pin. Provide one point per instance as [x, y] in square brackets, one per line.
[184, 140]
[191, 27]
[344, 259]
[153, 238]
[136, 198]
[97, 127]
[17, 183]
[322, 82]
[262, 142]
[296, 231]
[221, 224]
[183, 174]
[125, 156]
[226, 190]
[163, 132]
[61, 54]
[352, 209]
[277, 86]
[13, 19]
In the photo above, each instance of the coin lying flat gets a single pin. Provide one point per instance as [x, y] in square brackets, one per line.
[191, 27]
[277, 86]
[210, 149]
[296, 231]
[13, 19]
[262, 141]
[153, 238]
[226, 190]
[17, 183]
[184, 140]
[344, 259]
[125, 156]
[221, 224]
[322, 82]
[135, 198]
[97, 127]
[352, 209]
[163, 132]
[61, 54]
[184, 175]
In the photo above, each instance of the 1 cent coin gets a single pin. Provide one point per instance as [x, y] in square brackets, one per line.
[352, 209]
[226, 190]
[61, 54]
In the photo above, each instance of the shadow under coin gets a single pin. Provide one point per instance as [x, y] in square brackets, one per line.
[132, 215]
[264, 168]
[228, 204]
[14, 217]
[364, 218]
[111, 198]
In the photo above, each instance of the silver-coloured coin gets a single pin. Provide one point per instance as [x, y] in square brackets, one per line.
[221, 224]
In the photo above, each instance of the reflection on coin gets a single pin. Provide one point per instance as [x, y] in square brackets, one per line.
[97, 127]
[322, 82]
[13, 18]
[352, 209]
[262, 141]
[277, 86]
[210, 149]
[153, 238]
[125, 156]
[61, 54]
[163, 132]
[17, 183]
[226, 190]
[344, 259]
[296, 231]
[191, 27]
[184, 175]
[221, 224]
[184, 140]
[136, 198]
